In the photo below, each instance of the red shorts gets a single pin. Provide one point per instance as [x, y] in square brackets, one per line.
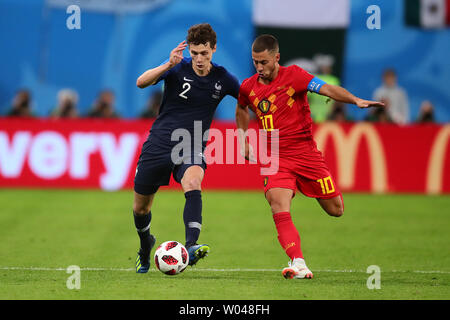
[305, 171]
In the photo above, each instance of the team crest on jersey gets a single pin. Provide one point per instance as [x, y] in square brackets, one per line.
[264, 105]
[218, 88]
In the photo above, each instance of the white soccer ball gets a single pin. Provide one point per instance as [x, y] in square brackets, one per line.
[171, 258]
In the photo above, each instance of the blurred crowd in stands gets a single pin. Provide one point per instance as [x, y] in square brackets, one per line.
[322, 108]
[394, 96]
[67, 105]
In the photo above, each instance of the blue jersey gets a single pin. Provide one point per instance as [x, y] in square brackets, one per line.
[187, 98]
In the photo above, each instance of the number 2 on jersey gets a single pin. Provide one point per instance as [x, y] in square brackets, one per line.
[186, 87]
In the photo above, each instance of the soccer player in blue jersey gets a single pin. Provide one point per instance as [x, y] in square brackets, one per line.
[193, 88]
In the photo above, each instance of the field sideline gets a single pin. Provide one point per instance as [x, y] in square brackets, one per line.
[42, 232]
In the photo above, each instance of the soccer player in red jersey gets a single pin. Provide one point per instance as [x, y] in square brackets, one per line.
[277, 95]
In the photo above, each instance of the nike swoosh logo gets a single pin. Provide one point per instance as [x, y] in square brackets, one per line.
[186, 79]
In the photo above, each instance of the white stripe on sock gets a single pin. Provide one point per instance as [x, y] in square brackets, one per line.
[195, 225]
[143, 229]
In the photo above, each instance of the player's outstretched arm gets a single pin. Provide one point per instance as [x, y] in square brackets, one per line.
[242, 121]
[343, 95]
[150, 77]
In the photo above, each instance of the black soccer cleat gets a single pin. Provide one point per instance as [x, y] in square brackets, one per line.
[143, 258]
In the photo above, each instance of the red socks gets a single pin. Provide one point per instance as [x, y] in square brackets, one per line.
[288, 235]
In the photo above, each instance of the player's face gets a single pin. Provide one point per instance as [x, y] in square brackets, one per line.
[201, 56]
[266, 64]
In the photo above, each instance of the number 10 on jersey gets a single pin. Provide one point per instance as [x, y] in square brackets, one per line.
[267, 122]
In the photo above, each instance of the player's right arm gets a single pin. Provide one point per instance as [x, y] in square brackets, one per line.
[242, 121]
[151, 76]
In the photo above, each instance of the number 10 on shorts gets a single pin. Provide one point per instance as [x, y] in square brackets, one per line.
[327, 185]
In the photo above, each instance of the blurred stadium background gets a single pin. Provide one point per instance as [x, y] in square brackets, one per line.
[71, 117]
[120, 39]
[50, 71]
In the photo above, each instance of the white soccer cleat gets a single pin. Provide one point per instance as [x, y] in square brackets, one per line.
[297, 269]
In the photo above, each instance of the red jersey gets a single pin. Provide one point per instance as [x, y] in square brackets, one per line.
[281, 105]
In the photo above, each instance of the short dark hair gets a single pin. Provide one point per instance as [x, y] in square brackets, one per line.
[202, 34]
[265, 42]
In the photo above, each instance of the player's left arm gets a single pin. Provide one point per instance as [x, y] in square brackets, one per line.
[341, 94]
[311, 83]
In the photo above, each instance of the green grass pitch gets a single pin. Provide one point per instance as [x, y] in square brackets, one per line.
[42, 232]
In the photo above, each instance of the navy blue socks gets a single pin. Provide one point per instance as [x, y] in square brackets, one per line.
[192, 216]
[142, 223]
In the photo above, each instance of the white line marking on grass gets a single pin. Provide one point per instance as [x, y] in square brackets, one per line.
[219, 270]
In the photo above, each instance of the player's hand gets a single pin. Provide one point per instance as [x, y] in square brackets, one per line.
[247, 152]
[176, 55]
[367, 103]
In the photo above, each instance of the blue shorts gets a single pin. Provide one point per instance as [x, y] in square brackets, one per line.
[155, 168]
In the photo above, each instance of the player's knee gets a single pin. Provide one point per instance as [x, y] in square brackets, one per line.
[142, 207]
[333, 207]
[278, 206]
[339, 212]
[340, 207]
[190, 184]
[336, 211]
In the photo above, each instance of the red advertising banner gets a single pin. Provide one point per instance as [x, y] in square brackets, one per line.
[103, 154]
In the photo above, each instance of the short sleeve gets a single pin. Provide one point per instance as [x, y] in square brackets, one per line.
[233, 85]
[301, 79]
[243, 99]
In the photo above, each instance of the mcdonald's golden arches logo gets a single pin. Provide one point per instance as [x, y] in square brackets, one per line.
[347, 151]
[435, 170]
